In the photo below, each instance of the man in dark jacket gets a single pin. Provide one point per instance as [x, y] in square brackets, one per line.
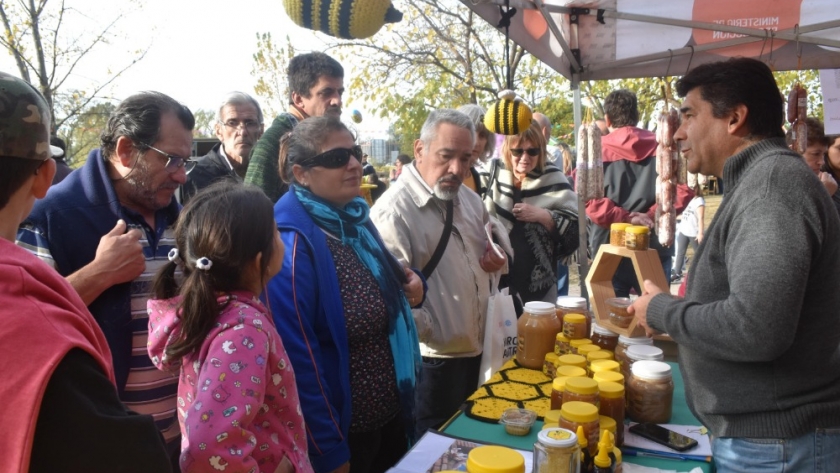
[759, 328]
[239, 125]
[629, 156]
[108, 228]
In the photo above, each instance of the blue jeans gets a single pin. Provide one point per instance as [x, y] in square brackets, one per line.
[814, 452]
[562, 279]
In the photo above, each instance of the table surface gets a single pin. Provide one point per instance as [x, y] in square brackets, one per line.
[465, 427]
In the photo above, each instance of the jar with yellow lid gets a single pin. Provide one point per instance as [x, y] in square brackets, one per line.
[604, 365]
[561, 345]
[574, 326]
[571, 360]
[537, 329]
[612, 406]
[598, 355]
[604, 338]
[551, 419]
[558, 385]
[550, 365]
[608, 423]
[574, 305]
[617, 231]
[575, 344]
[569, 371]
[650, 392]
[637, 237]
[583, 414]
[556, 451]
[581, 389]
[611, 376]
[495, 459]
[585, 350]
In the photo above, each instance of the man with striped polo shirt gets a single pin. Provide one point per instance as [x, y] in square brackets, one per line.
[108, 227]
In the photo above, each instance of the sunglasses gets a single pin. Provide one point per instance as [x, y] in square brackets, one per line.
[531, 152]
[334, 158]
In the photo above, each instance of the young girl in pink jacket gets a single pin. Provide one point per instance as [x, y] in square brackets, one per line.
[237, 402]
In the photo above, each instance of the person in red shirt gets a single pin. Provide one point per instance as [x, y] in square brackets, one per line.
[62, 411]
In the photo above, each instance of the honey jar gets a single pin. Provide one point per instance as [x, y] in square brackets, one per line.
[537, 331]
[574, 326]
[637, 237]
[585, 415]
[495, 459]
[572, 360]
[617, 231]
[612, 405]
[581, 389]
[574, 344]
[561, 345]
[574, 305]
[556, 451]
[570, 371]
[650, 392]
[604, 338]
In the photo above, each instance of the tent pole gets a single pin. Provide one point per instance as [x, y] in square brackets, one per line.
[583, 262]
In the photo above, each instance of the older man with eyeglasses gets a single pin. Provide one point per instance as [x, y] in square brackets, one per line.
[108, 227]
[238, 126]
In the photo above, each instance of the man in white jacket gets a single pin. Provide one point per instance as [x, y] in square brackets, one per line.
[411, 217]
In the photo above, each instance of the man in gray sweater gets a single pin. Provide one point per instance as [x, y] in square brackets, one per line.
[759, 328]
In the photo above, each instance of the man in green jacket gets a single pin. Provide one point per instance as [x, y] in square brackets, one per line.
[316, 82]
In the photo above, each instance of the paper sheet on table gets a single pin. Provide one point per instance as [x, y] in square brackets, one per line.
[631, 468]
[703, 448]
[436, 452]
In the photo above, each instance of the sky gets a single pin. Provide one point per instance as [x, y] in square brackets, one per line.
[198, 50]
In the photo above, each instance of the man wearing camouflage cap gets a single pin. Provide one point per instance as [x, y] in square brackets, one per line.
[108, 228]
[61, 410]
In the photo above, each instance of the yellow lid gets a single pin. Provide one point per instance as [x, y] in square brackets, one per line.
[580, 342]
[580, 412]
[582, 440]
[569, 370]
[619, 226]
[581, 385]
[552, 416]
[607, 423]
[585, 350]
[604, 365]
[561, 337]
[574, 318]
[572, 360]
[493, 459]
[602, 459]
[613, 376]
[637, 229]
[550, 425]
[610, 389]
[598, 355]
[551, 357]
[559, 384]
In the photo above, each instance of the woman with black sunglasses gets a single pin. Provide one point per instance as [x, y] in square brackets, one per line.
[535, 202]
[342, 305]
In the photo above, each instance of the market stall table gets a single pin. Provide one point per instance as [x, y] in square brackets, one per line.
[463, 426]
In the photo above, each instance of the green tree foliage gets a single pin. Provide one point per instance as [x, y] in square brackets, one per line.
[35, 33]
[442, 55]
[269, 68]
[82, 131]
[205, 121]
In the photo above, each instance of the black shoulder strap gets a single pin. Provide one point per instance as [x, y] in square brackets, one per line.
[441, 246]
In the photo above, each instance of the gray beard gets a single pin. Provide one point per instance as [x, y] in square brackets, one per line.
[447, 194]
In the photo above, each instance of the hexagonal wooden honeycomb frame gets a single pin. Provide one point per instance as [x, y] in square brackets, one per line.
[599, 282]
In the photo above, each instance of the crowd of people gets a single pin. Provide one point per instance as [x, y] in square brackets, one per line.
[278, 323]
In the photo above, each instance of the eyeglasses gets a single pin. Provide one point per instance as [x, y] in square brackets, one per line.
[334, 158]
[173, 163]
[249, 125]
[531, 152]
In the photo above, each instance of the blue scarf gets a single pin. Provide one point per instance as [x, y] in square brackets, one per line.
[351, 225]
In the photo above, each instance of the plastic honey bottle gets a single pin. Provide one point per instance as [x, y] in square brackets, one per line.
[602, 463]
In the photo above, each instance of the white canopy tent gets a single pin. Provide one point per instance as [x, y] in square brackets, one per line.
[613, 39]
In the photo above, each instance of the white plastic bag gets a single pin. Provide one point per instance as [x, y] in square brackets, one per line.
[499, 334]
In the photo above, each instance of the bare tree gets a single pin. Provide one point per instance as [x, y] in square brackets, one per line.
[46, 55]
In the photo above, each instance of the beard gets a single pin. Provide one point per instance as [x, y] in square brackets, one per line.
[138, 187]
[447, 193]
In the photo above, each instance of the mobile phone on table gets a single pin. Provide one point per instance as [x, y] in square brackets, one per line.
[663, 436]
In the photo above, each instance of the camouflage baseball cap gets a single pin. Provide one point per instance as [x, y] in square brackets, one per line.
[24, 120]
